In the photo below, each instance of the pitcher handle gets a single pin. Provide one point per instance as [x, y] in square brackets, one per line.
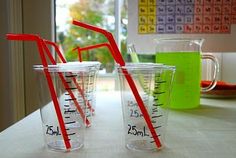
[215, 74]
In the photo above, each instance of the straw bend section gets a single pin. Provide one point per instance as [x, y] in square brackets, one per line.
[56, 49]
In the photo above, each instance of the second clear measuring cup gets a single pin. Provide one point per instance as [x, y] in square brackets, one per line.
[66, 80]
[186, 55]
[153, 83]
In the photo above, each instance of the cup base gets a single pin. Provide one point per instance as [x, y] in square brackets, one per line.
[141, 145]
[60, 146]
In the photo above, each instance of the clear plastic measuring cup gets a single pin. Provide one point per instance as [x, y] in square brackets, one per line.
[153, 82]
[65, 79]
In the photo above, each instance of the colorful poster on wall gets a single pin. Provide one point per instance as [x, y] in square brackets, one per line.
[186, 16]
[214, 20]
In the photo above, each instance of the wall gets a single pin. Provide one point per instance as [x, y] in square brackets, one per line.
[37, 19]
[17, 79]
[227, 66]
[6, 115]
[145, 43]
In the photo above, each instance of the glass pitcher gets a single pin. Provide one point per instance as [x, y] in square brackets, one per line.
[186, 55]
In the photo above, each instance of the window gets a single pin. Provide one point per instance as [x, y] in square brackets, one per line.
[102, 13]
[99, 13]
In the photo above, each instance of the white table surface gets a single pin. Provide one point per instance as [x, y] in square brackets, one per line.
[209, 131]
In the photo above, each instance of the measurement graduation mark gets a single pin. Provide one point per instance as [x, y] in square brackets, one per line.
[155, 109]
[69, 111]
[157, 116]
[71, 88]
[155, 104]
[154, 141]
[153, 112]
[158, 92]
[70, 134]
[70, 99]
[69, 76]
[157, 127]
[71, 122]
[160, 82]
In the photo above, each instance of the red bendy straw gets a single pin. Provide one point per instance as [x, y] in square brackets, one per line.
[118, 58]
[87, 103]
[29, 37]
[79, 49]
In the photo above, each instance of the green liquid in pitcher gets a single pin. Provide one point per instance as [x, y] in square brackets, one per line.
[186, 86]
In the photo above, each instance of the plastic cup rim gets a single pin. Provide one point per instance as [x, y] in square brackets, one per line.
[63, 67]
[145, 66]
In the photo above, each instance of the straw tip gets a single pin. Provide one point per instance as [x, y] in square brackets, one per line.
[29, 37]
[87, 122]
[9, 36]
[74, 21]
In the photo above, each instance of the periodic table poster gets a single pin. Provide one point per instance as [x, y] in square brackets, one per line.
[213, 20]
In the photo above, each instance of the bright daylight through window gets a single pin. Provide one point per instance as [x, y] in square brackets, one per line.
[97, 12]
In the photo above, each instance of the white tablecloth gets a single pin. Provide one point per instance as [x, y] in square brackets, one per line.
[209, 131]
